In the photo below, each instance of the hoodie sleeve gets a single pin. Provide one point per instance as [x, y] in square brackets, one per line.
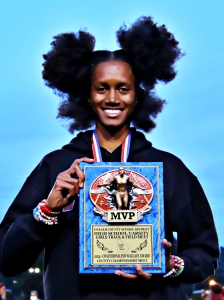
[192, 219]
[22, 238]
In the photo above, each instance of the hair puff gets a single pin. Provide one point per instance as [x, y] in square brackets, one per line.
[153, 48]
[66, 65]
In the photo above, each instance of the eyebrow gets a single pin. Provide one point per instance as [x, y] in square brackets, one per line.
[118, 84]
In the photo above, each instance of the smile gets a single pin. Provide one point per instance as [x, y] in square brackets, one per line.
[112, 112]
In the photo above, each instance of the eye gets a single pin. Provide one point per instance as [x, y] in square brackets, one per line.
[101, 89]
[123, 89]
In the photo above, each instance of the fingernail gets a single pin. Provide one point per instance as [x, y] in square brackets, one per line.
[117, 273]
[138, 267]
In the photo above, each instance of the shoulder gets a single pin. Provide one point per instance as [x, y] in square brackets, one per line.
[59, 159]
[79, 147]
[170, 161]
[50, 166]
[142, 150]
[177, 176]
[57, 155]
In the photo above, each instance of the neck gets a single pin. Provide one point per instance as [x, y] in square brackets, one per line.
[111, 138]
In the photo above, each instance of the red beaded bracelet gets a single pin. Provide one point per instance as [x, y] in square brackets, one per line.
[46, 210]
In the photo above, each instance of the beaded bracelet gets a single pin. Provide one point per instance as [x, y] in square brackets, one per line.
[43, 214]
[178, 267]
[46, 210]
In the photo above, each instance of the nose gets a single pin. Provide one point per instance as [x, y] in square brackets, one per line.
[112, 96]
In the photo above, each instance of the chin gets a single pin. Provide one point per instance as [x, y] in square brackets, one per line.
[115, 123]
[115, 127]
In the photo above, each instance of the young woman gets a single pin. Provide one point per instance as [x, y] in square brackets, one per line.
[110, 91]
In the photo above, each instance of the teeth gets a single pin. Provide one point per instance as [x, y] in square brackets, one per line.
[112, 111]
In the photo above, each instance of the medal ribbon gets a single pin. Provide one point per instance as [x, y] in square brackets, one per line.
[98, 157]
[96, 148]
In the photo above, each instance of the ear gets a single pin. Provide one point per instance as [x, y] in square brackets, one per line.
[89, 101]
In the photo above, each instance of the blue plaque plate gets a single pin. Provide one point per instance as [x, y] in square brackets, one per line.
[121, 218]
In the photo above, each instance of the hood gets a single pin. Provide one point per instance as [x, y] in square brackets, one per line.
[82, 143]
[139, 142]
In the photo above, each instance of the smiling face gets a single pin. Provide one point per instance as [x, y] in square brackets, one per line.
[112, 95]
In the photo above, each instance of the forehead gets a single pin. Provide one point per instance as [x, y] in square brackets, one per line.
[113, 70]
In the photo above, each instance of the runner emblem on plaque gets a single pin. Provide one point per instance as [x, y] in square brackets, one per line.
[121, 195]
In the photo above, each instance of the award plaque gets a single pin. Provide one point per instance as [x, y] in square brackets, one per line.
[121, 217]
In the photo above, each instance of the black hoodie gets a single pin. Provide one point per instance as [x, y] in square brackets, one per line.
[187, 212]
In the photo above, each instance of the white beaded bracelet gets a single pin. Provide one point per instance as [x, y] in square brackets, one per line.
[41, 216]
